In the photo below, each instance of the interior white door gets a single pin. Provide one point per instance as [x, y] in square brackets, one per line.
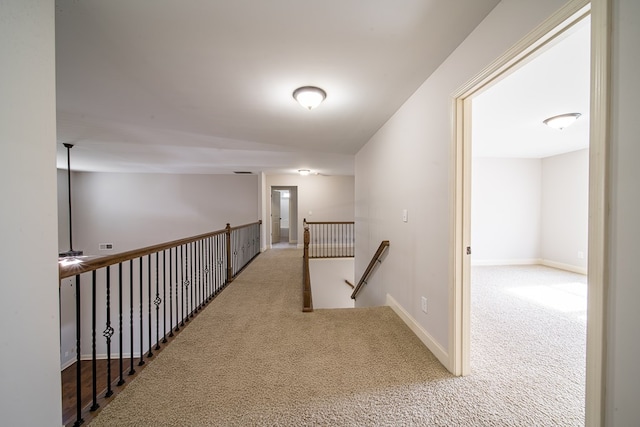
[275, 216]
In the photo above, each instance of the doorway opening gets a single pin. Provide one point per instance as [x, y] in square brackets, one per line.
[284, 217]
[529, 225]
[557, 26]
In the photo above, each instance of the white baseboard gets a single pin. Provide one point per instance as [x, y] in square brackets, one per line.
[526, 261]
[533, 261]
[562, 266]
[101, 356]
[423, 335]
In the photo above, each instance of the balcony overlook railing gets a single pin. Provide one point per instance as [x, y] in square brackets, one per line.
[324, 240]
[158, 289]
[331, 239]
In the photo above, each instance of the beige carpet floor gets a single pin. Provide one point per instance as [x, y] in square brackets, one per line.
[252, 358]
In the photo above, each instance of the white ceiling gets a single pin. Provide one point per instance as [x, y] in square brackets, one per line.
[204, 86]
[507, 118]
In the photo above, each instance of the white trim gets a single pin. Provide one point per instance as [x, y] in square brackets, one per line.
[598, 262]
[423, 335]
[531, 261]
[563, 266]
[528, 261]
[67, 364]
[101, 356]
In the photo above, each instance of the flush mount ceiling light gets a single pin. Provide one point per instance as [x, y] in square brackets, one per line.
[304, 172]
[309, 96]
[562, 121]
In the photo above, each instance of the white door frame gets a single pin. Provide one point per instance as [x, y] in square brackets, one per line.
[460, 324]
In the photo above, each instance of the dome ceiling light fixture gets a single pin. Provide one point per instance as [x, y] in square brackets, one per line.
[562, 121]
[304, 172]
[309, 96]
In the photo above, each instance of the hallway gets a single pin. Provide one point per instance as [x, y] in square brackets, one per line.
[253, 358]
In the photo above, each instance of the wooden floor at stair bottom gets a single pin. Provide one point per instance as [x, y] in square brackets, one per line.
[86, 381]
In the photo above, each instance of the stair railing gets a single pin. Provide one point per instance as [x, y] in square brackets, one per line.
[179, 278]
[331, 239]
[307, 300]
[326, 239]
[374, 261]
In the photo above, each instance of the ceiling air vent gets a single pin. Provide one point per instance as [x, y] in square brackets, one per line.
[242, 172]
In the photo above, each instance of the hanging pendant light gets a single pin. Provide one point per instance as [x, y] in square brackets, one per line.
[71, 252]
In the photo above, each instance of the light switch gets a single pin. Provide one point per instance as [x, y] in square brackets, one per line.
[405, 215]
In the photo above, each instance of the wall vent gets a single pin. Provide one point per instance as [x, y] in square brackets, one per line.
[243, 173]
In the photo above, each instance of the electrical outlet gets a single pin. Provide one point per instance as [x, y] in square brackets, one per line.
[580, 255]
[424, 304]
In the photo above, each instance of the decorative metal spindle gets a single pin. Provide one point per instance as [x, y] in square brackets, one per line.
[141, 362]
[108, 333]
[181, 283]
[185, 318]
[121, 361]
[79, 419]
[157, 302]
[210, 267]
[203, 274]
[131, 369]
[178, 285]
[171, 294]
[196, 277]
[191, 279]
[95, 405]
[164, 294]
[150, 352]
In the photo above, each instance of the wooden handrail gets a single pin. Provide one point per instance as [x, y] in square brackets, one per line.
[376, 258]
[307, 299]
[91, 263]
[329, 222]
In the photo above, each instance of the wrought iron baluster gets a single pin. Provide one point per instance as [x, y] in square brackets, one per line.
[108, 333]
[94, 384]
[171, 292]
[120, 331]
[197, 277]
[131, 369]
[164, 294]
[183, 280]
[209, 263]
[191, 278]
[79, 419]
[150, 352]
[186, 284]
[141, 361]
[157, 301]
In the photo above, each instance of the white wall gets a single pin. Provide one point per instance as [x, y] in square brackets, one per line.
[407, 165]
[320, 198]
[506, 211]
[528, 211]
[328, 286]
[136, 210]
[623, 316]
[29, 343]
[565, 210]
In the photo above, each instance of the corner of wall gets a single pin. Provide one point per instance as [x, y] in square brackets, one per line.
[423, 335]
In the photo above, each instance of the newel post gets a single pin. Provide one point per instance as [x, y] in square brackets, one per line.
[229, 254]
[307, 302]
